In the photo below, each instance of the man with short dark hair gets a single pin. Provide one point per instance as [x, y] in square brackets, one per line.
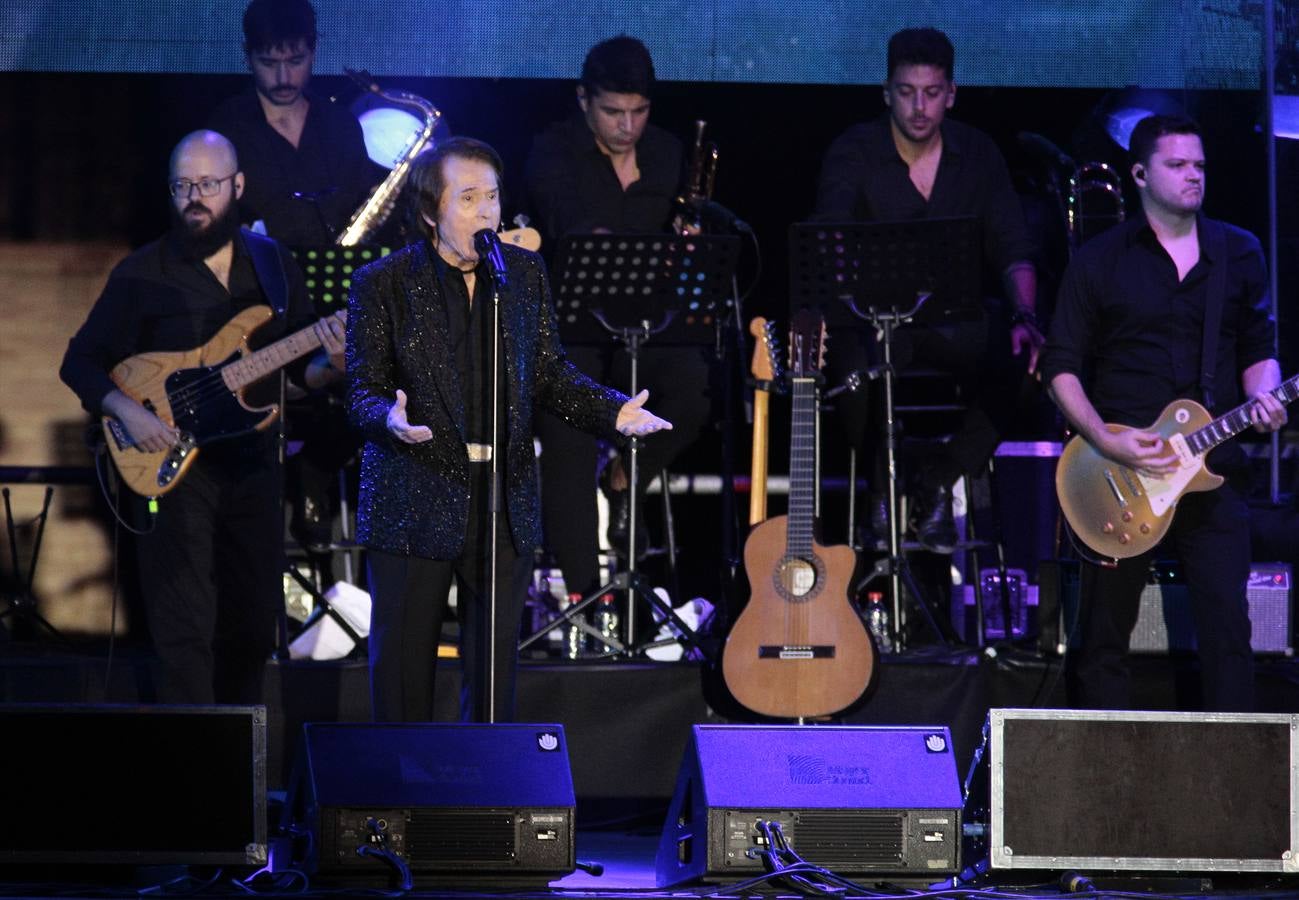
[419, 344]
[1126, 340]
[915, 163]
[609, 169]
[211, 559]
[304, 158]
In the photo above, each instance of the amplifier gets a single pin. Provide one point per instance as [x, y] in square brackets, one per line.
[1165, 621]
[134, 785]
[857, 800]
[1144, 791]
[478, 802]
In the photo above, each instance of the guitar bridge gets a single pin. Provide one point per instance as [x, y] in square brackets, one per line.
[796, 651]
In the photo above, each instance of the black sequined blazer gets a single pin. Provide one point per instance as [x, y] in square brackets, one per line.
[415, 497]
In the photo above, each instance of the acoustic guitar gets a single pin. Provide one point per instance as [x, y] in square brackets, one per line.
[1119, 512]
[798, 649]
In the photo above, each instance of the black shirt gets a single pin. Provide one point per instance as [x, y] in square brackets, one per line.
[156, 299]
[470, 328]
[573, 189]
[330, 162]
[863, 179]
[1132, 333]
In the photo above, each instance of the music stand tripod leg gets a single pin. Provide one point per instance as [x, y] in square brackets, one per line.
[22, 600]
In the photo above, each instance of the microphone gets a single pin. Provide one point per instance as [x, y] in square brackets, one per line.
[718, 213]
[488, 247]
[1044, 147]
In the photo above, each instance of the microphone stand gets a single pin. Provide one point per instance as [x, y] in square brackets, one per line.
[487, 245]
[494, 502]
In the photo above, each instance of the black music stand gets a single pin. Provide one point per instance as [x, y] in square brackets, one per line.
[888, 274]
[672, 288]
[677, 285]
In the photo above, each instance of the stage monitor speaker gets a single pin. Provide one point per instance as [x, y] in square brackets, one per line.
[494, 801]
[856, 800]
[1166, 623]
[1144, 791]
[136, 785]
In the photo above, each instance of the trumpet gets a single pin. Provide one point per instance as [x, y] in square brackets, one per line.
[1095, 202]
[699, 182]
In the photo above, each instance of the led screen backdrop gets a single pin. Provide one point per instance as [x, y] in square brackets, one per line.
[1046, 43]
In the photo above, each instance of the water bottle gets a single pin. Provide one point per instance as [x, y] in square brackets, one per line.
[574, 637]
[606, 617]
[877, 620]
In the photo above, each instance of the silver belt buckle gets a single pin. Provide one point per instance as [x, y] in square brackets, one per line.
[479, 452]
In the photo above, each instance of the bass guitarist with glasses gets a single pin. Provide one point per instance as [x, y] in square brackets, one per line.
[211, 557]
[1134, 330]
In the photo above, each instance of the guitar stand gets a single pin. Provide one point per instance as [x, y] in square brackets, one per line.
[628, 581]
[894, 565]
[20, 601]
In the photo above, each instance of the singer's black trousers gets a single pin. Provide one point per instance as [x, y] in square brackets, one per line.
[410, 599]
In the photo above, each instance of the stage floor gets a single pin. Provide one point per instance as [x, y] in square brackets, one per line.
[627, 725]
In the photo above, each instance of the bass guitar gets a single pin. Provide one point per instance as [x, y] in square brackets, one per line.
[1119, 512]
[200, 392]
[798, 649]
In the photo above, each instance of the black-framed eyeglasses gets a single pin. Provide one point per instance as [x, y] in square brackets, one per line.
[183, 188]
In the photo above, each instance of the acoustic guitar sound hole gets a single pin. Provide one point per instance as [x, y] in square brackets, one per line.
[797, 578]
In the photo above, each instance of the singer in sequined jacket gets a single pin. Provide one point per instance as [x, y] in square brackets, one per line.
[415, 497]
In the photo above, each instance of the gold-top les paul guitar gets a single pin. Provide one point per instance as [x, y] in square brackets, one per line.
[1119, 512]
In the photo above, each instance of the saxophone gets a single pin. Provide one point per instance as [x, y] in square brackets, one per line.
[375, 211]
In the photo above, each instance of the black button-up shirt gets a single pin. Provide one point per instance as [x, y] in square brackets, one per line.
[329, 164]
[470, 329]
[863, 179]
[573, 189]
[1132, 332]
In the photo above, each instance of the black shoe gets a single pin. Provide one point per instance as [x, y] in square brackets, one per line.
[931, 517]
[620, 524]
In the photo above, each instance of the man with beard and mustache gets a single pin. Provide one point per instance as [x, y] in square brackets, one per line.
[304, 157]
[912, 163]
[211, 558]
[1126, 340]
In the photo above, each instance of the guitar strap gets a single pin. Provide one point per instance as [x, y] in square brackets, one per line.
[1215, 242]
[269, 268]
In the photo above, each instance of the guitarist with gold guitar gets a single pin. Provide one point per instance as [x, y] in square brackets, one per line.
[1156, 316]
[163, 358]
